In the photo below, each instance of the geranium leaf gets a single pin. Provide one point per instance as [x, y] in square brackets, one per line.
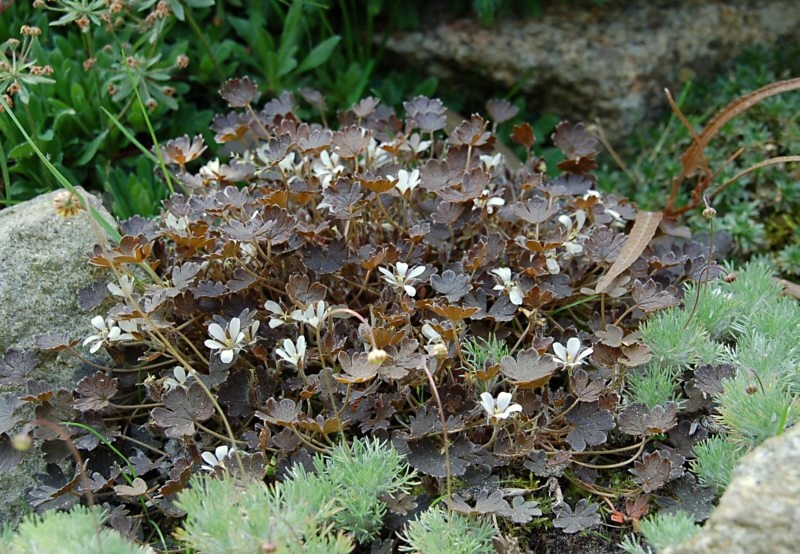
[584, 516]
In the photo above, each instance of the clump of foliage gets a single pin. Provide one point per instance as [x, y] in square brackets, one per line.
[345, 288]
[327, 510]
[392, 280]
[73, 532]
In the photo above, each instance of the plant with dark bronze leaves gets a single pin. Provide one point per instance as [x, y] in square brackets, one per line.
[319, 286]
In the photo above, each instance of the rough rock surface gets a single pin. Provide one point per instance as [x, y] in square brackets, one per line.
[759, 511]
[43, 264]
[609, 62]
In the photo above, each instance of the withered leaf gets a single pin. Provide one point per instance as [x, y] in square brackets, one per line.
[522, 134]
[453, 313]
[357, 368]
[529, 369]
[652, 472]
[643, 230]
[16, 366]
[96, 391]
[451, 284]
[590, 426]
[584, 516]
[649, 298]
[182, 408]
[136, 488]
[239, 93]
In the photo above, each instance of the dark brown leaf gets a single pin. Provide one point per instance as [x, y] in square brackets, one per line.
[239, 93]
[182, 408]
[590, 426]
[584, 516]
[528, 369]
[95, 392]
[16, 366]
[652, 472]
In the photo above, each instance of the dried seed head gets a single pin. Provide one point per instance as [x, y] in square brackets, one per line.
[709, 212]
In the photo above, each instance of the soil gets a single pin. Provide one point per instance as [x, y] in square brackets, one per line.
[553, 541]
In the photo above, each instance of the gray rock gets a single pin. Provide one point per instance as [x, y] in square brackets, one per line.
[609, 62]
[759, 511]
[43, 264]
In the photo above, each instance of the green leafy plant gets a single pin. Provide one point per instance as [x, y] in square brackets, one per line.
[74, 532]
[661, 531]
[436, 530]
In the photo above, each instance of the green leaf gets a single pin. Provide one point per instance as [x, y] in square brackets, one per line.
[91, 149]
[21, 151]
[319, 54]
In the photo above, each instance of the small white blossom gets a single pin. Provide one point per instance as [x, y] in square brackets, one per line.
[571, 356]
[431, 334]
[216, 459]
[313, 315]
[293, 353]
[178, 380]
[278, 317]
[107, 331]
[402, 278]
[406, 181]
[124, 289]
[571, 245]
[212, 171]
[485, 200]
[228, 341]
[552, 263]
[498, 409]
[377, 156]
[491, 162]
[327, 167]
[504, 282]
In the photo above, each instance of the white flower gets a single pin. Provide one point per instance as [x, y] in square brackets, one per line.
[498, 409]
[490, 162]
[123, 289]
[327, 167]
[487, 201]
[406, 181]
[402, 277]
[504, 282]
[571, 245]
[552, 264]
[211, 171]
[216, 459]
[572, 355]
[178, 380]
[107, 331]
[292, 353]
[278, 317]
[228, 341]
[314, 314]
[377, 156]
